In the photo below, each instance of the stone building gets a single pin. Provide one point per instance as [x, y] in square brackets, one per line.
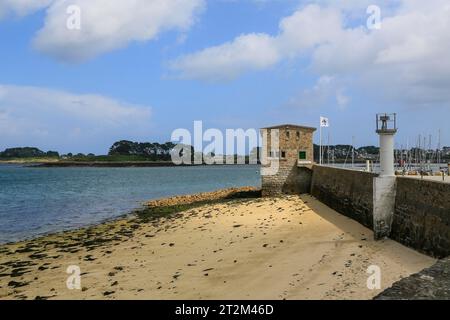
[288, 152]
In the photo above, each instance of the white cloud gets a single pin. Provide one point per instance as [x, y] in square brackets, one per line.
[405, 60]
[342, 99]
[260, 51]
[110, 24]
[409, 53]
[22, 7]
[308, 28]
[353, 8]
[245, 53]
[52, 117]
[325, 90]
[106, 25]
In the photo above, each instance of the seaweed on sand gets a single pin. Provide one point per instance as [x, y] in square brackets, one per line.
[154, 213]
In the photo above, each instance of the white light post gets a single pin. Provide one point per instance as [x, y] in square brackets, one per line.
[384, 186]
[386, 129]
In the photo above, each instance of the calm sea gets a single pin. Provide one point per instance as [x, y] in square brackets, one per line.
[36, 201]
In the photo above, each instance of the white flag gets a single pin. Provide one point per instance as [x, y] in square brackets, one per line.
[324, 122]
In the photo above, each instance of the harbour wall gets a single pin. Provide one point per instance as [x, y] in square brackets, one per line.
[421, 217]
[349, 192]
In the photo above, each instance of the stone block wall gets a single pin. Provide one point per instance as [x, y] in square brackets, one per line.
[422, 216]
[290, 179]
[291, 143]
[349, 192]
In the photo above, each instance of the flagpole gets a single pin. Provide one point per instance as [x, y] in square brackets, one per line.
[323, 123]
[328, 148]
[320, 157]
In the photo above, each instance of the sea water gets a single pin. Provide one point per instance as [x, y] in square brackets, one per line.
[36, 201]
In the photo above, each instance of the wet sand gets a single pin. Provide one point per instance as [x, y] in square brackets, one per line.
[292, 247]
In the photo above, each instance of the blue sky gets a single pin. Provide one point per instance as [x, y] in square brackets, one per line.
[232, 64]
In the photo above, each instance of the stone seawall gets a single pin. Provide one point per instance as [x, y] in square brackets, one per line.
[349, 192]
[422, 216]
[290, 179]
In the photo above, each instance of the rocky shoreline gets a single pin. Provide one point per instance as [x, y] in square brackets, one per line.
[224, 194]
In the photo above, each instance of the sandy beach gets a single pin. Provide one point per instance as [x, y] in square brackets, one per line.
[292, 247]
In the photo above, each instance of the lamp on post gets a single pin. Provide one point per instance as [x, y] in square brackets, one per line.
[386, 129]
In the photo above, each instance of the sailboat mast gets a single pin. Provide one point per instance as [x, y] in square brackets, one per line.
[353, 151]
[439, 147]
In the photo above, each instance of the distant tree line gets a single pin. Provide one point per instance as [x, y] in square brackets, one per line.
[163, 152]
[125, 150]
[27, 152]
[154, 151]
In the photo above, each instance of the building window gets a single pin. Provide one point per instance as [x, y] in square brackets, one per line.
[274, 154]
[302, 155]
[287, 134]
[298, 134]
[283, 154]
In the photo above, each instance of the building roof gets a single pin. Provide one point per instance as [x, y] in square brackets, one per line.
[293, 126]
